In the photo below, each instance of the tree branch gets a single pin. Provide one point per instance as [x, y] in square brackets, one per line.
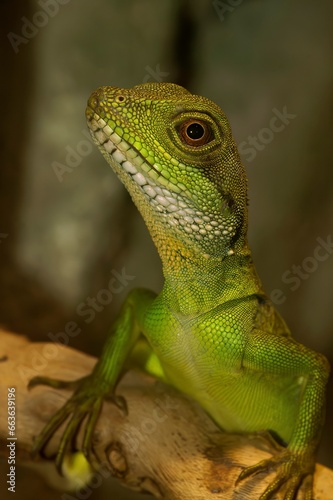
[166, 445]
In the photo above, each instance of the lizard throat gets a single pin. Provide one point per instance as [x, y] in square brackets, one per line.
[141, 178]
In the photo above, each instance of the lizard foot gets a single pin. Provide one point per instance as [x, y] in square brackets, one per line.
[293, 471]
[85, 402]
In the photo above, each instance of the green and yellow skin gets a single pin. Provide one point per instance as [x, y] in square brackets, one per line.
[211, 332]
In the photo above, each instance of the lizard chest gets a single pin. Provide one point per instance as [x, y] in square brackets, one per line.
[202, 356]
[195, 349]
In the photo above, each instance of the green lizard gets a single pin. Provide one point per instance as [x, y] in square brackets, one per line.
[212, 332]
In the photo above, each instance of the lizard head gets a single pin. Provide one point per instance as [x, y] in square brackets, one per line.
[175, 154]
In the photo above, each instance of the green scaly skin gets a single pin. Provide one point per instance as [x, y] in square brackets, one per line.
[211, 333]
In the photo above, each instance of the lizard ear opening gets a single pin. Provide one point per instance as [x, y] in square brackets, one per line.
[195, 132]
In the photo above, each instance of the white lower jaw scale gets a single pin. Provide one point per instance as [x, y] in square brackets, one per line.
[129, 167]
[118, 156]
[150, 191]
[139, 179]
[108, 146]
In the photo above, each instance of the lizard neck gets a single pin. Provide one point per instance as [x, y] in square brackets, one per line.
[196, 282]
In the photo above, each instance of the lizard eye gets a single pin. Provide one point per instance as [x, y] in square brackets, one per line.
[195, 133]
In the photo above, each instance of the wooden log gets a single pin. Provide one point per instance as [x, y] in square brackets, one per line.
[166, 445]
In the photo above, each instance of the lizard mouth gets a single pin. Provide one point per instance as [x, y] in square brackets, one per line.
[128, 162]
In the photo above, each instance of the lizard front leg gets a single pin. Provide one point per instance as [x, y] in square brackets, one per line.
[295, 464]
[90, 391]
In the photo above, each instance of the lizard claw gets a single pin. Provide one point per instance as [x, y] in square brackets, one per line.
[85, 402]
[293, 472]
[119, 401]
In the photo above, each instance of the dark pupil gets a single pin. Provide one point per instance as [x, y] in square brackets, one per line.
[195, 131]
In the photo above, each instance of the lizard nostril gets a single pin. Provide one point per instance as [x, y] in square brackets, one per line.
[120, 98]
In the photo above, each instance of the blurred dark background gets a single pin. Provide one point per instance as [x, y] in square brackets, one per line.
[67, 222]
